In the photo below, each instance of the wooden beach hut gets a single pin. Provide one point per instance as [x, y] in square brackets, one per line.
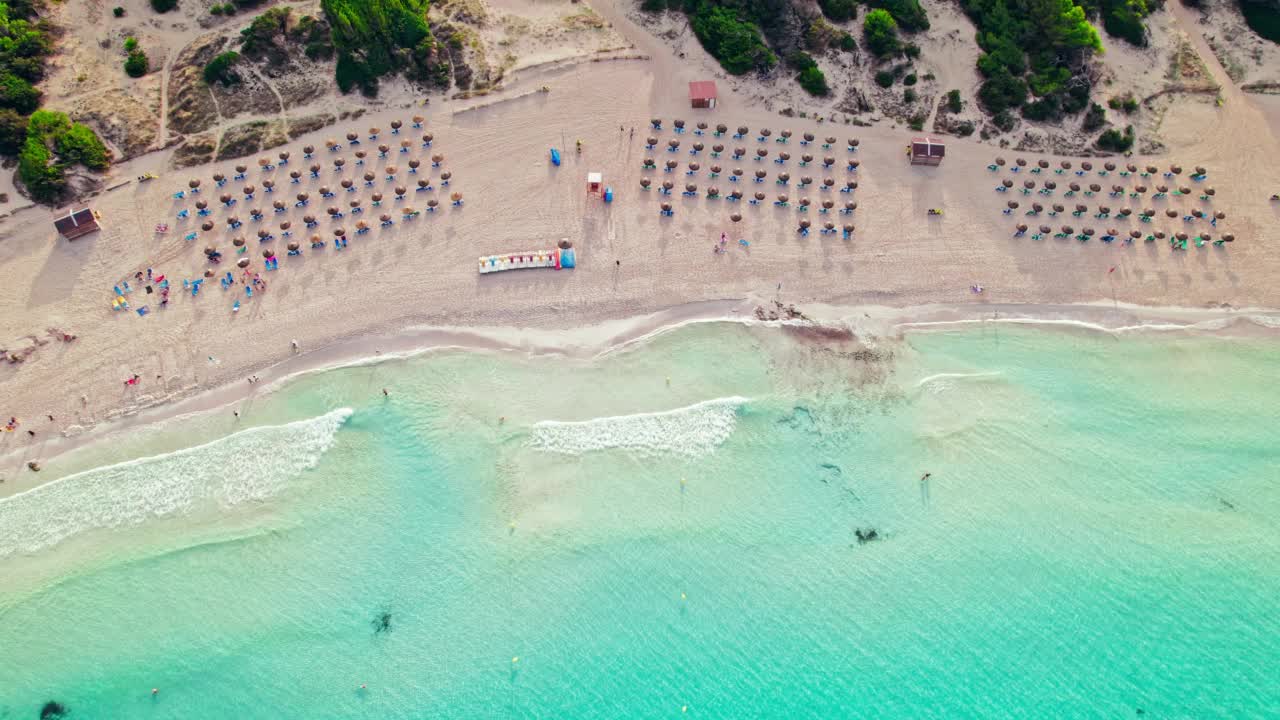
[926, 151]
[77, 223]
[702, 94]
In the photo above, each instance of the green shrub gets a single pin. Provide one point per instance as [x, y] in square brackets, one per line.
[315, 36]
[1124, 103]
[732, 41]
[884, 78]
[1123, 19]
[881, 32]
[1042, 110]
[13, 131]
[1095, 118]
[130, 44]
[218, 70]
[847, 42]
[965, 129]
[839, 10]
[373, 39]
[18, 94]
[916, 122]
[1115, 141]
[137, 64]
[81, 145]
[907, 13]
[814, 81]
[654, 6]
[801, 60]
[911, 50]
[117, 11]
[1046, 38]
[954, 104]
[910, 79]
[909, 95]
[75, 144]
[1004, 120]
[45, 181]
[163, 6]
[1002, 91]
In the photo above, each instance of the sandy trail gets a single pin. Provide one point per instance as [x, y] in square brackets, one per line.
[632, 261]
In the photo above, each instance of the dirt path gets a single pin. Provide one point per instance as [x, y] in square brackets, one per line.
[162, 134]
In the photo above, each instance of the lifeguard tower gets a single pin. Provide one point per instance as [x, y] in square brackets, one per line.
[595, 183]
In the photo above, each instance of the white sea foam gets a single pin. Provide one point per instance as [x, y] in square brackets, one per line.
[939, 382]
[250, 465]
[692, 431]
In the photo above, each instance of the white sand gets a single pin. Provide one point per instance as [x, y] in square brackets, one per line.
[423, 273]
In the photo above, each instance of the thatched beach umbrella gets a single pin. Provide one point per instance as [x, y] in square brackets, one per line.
[309, 219]
[1228, 238]
[736, 217]
[666, 207]
[286, 225]
[444, 176]
[241, 168]
[1095, 187]
[1058, 208]
[851, 184]
[1037, 207]
[346, 183]
[672, 164]
[1088, 232]
[315, 168]
[233, 220]
[1171, 213]
[1082, 208]
[828, 182]
[1013, 204]
[784, 177]
[1125, 212]
[1220, 215]
[1000, 161]
[1028, 184]
[786, 134]
[1135, 234]
[1007, 183]
[1086, 166]
[736, 194]
[353, 204]
[673, 143]
[760, 196]
[424, 183]
[690, 188]
[743, 130]
[278, 204]
[804, 202]
[1175, 169]
[765, 132]
[1210, 191]
[455, 196]
[850, 206]
[1184, 190]
[376, 197]
[761, 152]
[784, 198]
[1051, 184]
[284, 156]
[201, 205]
[295, 174]
[1021, 162]
[308, 149]
[428, 138]
[1066, 164]
[1046, 229]
[1148, 212]
[1067, 230]
[437, 159]
[853, 164]
[400, 191]
[715, 169]
[695, 167]
[432, 203]
[784, 156]
[853, 142]
[1075, 187]
[1043, 163]
[697, 147]
[713, 191]
[206, 226]
[678, 123]
[219, 177]
[739, 152]
[242, 262]
[1162, 188]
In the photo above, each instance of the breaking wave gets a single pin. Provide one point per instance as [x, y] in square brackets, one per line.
[250, 465]
[692, 431]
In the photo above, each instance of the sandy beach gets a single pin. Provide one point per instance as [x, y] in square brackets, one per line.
[632, 262]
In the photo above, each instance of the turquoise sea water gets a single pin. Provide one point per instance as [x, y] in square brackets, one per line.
[669, 531]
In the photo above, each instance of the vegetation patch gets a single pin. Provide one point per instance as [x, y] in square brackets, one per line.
[52, 144]
[1033, 48]
[388, 37]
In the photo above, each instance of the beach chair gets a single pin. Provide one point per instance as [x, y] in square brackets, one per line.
[143, 311]
[235, 307]
[248, 291]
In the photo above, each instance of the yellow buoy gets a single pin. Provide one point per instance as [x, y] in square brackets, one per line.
[682, 596]
[684, 708]
[515, 659]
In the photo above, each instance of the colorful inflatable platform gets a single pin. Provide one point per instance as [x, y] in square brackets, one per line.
[560, 259]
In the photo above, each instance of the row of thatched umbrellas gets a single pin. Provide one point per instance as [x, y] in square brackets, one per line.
[1135, 234]
[1116, 189]
[694, 166]
[783, 179]
[1200, 171]
[740, 152]
[333, 212]
[743, 131]
[781, 200]
[324, 190]
[1122, 212]
[339, 164]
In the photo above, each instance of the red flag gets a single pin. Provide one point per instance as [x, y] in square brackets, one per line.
[1113, 269]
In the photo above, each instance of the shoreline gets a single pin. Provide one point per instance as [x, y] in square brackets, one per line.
[624, 333]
